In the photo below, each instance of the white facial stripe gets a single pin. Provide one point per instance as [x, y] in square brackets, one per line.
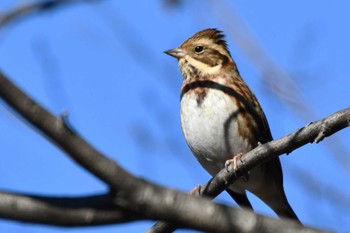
[202, 67]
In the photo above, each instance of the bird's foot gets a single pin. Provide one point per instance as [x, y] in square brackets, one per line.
[233, 161]
[196, 191]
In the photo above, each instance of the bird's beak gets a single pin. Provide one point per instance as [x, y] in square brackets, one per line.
[177, 53]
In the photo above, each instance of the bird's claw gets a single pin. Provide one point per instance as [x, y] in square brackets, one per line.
[234, 161]
[196, 191]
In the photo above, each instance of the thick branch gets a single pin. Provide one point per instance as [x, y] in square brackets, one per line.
[63, 211]
[151, 201]
[57, 131]
[313, 132]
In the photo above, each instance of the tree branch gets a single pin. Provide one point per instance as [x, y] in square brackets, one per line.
[63, 211]
[313, 132]
[148, 200]
[26, 10]
[137, 195]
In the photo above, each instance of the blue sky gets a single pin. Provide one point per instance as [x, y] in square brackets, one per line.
[103, 63]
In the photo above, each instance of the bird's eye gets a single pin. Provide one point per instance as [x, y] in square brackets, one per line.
[198, 49]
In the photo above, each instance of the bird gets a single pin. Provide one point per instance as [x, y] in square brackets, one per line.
[221, 119]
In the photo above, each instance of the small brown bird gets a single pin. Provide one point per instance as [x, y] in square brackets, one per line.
[221, 118]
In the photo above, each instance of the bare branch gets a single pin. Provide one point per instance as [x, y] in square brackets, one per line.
[308, 134]
[129, 192]
[26, 10]
[63, 211]
[285, 145]
[57, 131]
[137, 195]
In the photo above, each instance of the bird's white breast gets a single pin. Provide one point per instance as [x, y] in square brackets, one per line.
[210, 128]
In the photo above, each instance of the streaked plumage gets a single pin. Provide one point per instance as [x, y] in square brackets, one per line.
[221, 117]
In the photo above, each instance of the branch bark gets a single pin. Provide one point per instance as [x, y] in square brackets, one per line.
[63, 211]
[141, 197]
[134, 194]
[313, 132]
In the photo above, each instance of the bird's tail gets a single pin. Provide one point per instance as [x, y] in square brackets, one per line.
[286, 211]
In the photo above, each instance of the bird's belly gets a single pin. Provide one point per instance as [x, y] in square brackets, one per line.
[210, 126]
[211, 130]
